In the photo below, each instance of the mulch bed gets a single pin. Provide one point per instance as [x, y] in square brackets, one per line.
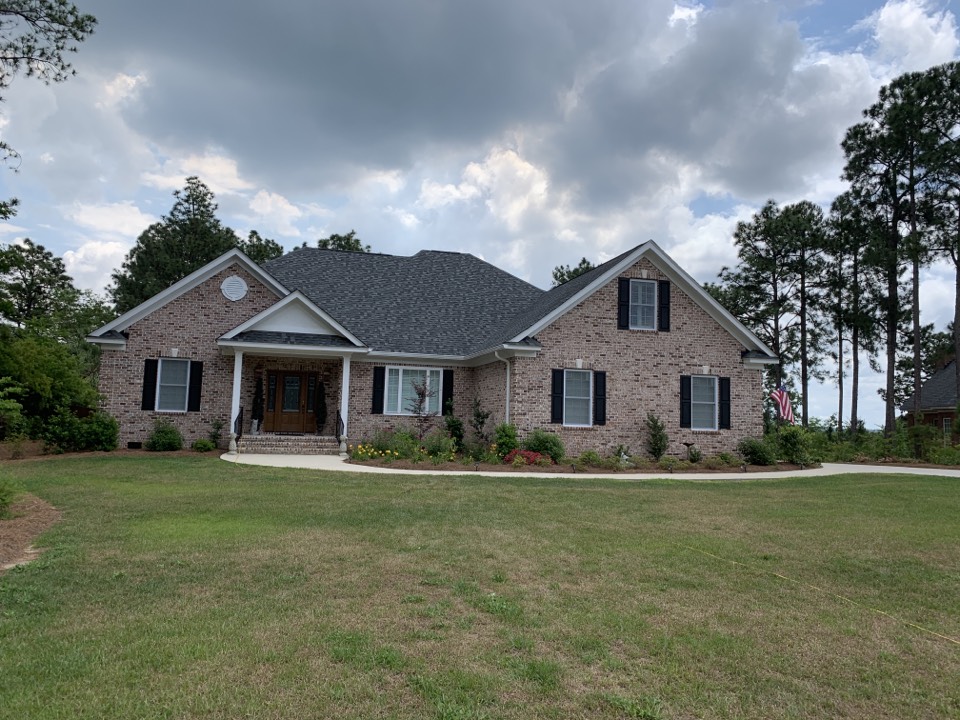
[26, 519]
[461, 468]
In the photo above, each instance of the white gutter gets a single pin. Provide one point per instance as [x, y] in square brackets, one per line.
[496, 354]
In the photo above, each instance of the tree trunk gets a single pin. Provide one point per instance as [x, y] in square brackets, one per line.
[804, 360]
[892, 306]
[839, 375]
[854, 382]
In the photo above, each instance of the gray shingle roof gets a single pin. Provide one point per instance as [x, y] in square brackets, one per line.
[436, 303]
[938, 392]
[290, 338]
[554, 298]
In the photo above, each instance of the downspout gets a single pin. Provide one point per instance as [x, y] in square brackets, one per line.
[496, 354]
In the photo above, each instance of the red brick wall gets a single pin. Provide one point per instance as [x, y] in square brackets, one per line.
[191, 323]
[643, 373]
[363, 423]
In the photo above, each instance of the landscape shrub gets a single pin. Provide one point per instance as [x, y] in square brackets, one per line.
[9, 491]
[203, 445]
[545, 443]
[794, 444]
[165, 437]
[657, 440]
[522, 457]
[757, 452]
[590, 458]
[401, 444]
[65, 432]
[505, 439]
[694, 454]
[479, 423]
[454, 426]
[949, 455]
[668, 463]
[439, 445]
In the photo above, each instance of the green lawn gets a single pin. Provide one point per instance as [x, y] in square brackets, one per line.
[181, 587]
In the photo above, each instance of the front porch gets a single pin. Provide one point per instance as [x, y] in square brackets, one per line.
[288, 444]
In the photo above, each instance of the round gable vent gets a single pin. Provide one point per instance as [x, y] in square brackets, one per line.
[233, 288]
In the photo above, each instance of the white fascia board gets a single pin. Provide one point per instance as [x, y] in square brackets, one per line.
[295, 296]
[188, 283]
[759, 363]
[230, 347]
[480, 358]
[107, 343]
[678, 275]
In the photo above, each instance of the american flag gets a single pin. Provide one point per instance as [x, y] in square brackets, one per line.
[782, 398]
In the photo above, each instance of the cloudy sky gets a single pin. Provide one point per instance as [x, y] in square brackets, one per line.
[527, 132]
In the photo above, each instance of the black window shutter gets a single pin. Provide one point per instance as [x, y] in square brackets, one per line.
[599, 397]
[446, 393]
[663, 296]
[196, 384]
[149, 385]
[379, 381]
[685, 394]
[556, 397]
[724, 403]
[623, 304]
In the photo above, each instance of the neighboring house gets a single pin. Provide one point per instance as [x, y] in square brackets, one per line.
[938, 401]
[588, 359]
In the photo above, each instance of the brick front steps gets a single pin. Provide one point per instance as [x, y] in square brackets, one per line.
[272, 444]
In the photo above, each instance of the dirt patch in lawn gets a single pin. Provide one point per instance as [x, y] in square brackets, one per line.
[26, 519]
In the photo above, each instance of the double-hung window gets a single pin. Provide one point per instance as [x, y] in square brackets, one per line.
[703, 402]
[578, 398]
[643, 304]
[173, 384]
[400, 396]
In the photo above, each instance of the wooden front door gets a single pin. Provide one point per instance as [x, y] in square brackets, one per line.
[291, 398]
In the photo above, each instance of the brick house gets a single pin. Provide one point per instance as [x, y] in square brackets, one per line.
[938, 402]
[335, 340]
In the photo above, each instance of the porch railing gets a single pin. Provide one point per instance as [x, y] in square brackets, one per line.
[340, 427]
[238, 424]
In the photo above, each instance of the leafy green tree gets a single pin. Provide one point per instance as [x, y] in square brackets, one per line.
[801, 230]
[33, 283]
[260, 249]
[186, 239]
[35, 36]
[888, 165]
[349, 242]
[851, 292]
[760, 290]
[564, 273]
[48, 375]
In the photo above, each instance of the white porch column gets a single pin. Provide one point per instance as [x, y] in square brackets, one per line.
[345, 402]
[235, 400]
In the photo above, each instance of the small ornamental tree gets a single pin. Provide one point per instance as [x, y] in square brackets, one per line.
[419, 407]
[657, 440]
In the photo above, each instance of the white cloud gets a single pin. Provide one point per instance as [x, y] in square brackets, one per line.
[7, 228]
[436, 195]
[405, 218]
[120, 88]
[512, 186]
[913, 34]
[277, 212]
[218, 172]
[91, 264]
[124, 219]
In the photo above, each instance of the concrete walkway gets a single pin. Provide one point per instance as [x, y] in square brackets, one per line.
[338, 464]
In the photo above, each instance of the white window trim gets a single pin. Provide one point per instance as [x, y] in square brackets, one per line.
[565, 386]
[186, 393]
[656, 299]
[401, 411]
[716, 404]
